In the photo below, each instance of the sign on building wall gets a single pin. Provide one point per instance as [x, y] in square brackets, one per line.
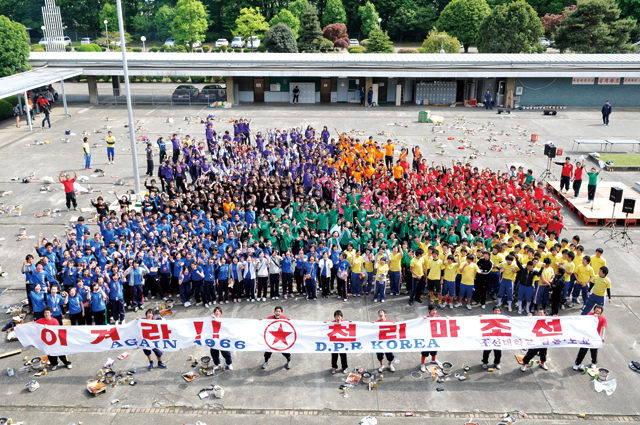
[632, 81]
[583, 80]
[274, 87]
[608, 80]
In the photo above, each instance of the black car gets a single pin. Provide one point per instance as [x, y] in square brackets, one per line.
[185, 93]
[213, 93]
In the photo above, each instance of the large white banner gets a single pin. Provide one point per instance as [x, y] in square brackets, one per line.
[297, 336]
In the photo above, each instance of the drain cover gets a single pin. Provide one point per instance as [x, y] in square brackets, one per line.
[183, 387]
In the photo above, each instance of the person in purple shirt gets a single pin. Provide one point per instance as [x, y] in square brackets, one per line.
[175, 143]
[325, 135]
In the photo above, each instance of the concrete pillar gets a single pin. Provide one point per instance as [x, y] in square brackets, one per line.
[230, 95]
[93, 89]
[368, 82]
[115, 82]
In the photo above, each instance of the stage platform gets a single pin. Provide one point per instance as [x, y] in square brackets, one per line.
[602, 207]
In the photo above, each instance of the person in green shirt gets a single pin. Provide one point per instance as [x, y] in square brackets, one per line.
[463, 221]
[452, 238]
[333, 215]
[323, 219]
[593, 182]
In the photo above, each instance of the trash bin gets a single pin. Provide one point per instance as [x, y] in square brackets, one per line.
[423, 116]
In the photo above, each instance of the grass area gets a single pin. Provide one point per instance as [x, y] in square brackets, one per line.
[622, 159]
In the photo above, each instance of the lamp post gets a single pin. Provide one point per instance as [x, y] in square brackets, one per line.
[143, 38]
[379, 22]
[106, 30]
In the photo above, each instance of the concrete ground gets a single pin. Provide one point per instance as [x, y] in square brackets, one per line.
[275, 394]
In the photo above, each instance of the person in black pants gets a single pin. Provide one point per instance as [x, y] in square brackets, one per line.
[602, 327]
[567, 174]
[215, 354]
[497, 354]
[338, 318]
[542, 352]
[149, 152]
[296, 94]
[485, 265]
[606, 111]
[277, 315]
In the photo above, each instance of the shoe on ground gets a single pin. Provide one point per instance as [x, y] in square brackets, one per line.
[345, 371]
[333, 371]
[593, 366]
[151, 366]
[519, 311]
[410, 302]
[434, 361]
[288, 365]
[510, 308]
[576, 367]
[56, 366]
[544, 366]
[523, 368]
[562, 307]
[228, 366]
[198, 304]
[69, 366]
[450, 305]
[381, 301]
[162, 365]
[265, 364]
[164, 298]
[375, 301]
[122, 322]
[485, 366]
[483, 306]
[381, 369]
[391, 368]
[457, 305]
[423, 368]
[264, 299]
[497, 366]
[468, 307]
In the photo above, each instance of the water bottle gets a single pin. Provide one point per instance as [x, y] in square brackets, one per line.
[126, 406]
[633, 346]
[135, 369]
[9, 371]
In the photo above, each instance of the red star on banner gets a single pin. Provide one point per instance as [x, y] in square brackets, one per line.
[280, 335]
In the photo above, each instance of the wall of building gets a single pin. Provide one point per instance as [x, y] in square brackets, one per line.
[561, 91]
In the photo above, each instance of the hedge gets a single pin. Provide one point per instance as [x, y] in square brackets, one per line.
[85, 48]
[137, 49]
[223, 48]
[37, 47]
[355, 49]
[407, 50]
[96, 48]
[421, 50]
[197, 79]
[68, 48]
[183, 79]
[237, 50]
[154, 49]
[173, 79]
[261, 48]
[6, 109]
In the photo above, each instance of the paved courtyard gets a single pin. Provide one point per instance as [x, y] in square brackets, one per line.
[276, 395]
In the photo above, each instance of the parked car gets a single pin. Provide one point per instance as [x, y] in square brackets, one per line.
[170, 41]
[196, 44]
[354, 42]
[545, 41]
[222, 42]
[62, 40]
[43, 90]
[185, 93]
[238, 42]
[87, 40]
[213, 93]
[254, 42]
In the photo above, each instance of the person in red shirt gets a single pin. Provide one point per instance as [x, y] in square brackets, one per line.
[602, 327]
[277, 315]
[556, 225]
[577, 179]
[69, 189]
[49, 320]
[433, 312]
[382, 315]
[567, 173]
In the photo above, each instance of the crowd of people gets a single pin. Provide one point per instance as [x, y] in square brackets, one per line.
[303, 213]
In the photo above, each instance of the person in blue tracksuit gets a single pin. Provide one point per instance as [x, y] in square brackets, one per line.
[135, 275]
[488, 101]
[223, 280]
[197, 281]
[310, 280]
[76, 309]
[606, 111]
[38, 302]
[98, 306]
[55, 301]
[362, 96]
[209, 282]
[116, 297]
[370, 96]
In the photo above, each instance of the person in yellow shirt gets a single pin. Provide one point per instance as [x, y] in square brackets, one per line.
[381, 281]
[369, 260]
[598, 261]
[509, 270]
[395, 267]
[468, 272]
[388, 154]
[552, 241]
[541, 298]
[417, 274]
[356, 273]
[398, 172]
[494, 277]
[449, 280]
[111, 143]
[599, 285]
[584, 274]
[579, 255]
[435, 266]
[569, 267]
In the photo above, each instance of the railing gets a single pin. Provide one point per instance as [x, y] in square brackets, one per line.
[162, 96]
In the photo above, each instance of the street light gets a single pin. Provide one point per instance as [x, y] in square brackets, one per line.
[106, 31]
[143, 38]
[379, 22]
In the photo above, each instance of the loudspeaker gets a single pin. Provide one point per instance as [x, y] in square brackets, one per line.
[629, 205]
[504, 111]
[615, 195]
[550, 112]
[550, 151]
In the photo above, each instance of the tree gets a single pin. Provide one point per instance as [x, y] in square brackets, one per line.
[249, 23]
[280, 39]
[334, 13]
[287, 18]
[369, 18]
[594, 27]
[79, 14]
[511, 28]
[412, 20]
[163, 20]
[337, 34]
[190, 22]
[114, 37]
[109, 13]
[14, 47]
[440, 40]
[629, 9]
[379, 42]
[551, 22]
[462, 19]
[142, 23]
[310, 39]
[550, 6]
[298, 7]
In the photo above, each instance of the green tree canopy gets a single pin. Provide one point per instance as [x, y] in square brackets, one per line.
[190, 22]
[249, 23]
[511, 28]
[462, 19]
[595, 27]
[287, 18]
[14, 47]
[310, 39]
[629, 8]
[109, 13]
[368, 17]
[334, 13]
[298, 7]
[379, 42]
[412, 21]
[280, 39]
[437, 41]
[142, 23]
[163, 20]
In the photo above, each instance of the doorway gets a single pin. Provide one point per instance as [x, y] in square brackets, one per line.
[258, 89]
[325, 90]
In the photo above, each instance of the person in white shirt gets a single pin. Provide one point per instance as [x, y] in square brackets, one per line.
[262, 269]
[275, 267]
[249, 274]
[325, 265]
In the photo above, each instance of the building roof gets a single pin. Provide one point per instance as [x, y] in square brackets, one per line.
[344, 65]
[19, 83]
